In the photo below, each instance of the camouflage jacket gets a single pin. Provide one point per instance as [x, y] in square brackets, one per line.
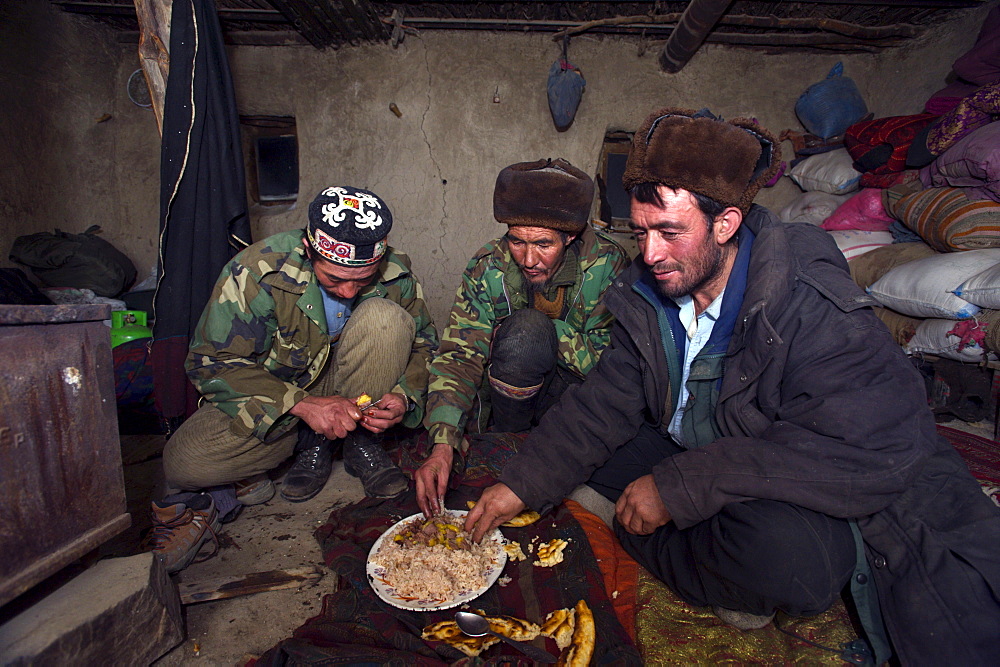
[262, 338]
[484, 299]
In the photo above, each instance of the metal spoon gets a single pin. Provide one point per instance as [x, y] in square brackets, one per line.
[475, 625]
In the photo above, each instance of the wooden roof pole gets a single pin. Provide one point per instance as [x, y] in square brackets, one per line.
[697, 21]
[154, 49]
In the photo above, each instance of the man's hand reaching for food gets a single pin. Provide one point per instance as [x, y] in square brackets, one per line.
[497, 505]
[432, 479]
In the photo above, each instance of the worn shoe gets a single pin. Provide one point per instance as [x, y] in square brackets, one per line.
[254, 490]
[365, 458]
[181, 530]
[742, 620]
[311, 469]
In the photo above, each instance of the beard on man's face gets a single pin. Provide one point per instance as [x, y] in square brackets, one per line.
[536, 288]
[696, 272]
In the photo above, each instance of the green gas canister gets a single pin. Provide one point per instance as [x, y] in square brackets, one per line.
[128, 325]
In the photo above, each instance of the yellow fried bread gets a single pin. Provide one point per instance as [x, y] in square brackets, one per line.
[525, 518]
[517, 629]
[551, 553]
[514, 552]
[581, 650]
[559, 625]
[448, 632]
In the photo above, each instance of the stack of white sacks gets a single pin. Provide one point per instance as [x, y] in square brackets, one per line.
[947, 291]
[941, 296]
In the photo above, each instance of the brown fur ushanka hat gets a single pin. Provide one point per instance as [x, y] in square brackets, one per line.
[545, 193]
[728, 161]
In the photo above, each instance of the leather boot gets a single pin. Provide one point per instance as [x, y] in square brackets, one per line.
[365, 458]
[311, 469]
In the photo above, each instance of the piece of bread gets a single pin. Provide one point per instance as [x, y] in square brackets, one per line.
[514, 552]
[581, 650]
[517, 629]
[559, 625]
[551, 553]
[363, 400]
[522, 519]
[449, 633]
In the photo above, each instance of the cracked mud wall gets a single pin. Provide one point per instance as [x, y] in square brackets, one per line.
[435, 164]
[75, 150]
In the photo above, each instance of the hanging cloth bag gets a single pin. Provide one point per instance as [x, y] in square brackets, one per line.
[565, 90]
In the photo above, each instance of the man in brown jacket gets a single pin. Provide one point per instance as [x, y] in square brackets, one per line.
[764, 439]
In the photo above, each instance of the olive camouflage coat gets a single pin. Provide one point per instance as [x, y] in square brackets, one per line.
[262, 339]
[485, 298]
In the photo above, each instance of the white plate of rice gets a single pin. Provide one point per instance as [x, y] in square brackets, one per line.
[429, 578]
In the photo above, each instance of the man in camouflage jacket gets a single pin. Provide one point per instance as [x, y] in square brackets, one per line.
[298, 327]
[271, 287]
[527, 320]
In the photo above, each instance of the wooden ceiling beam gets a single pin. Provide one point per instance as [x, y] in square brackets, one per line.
[697, 21]
[365, 18]
[239, 38]
[249, 14]
[325, 23]
[786, 39]
[802, 23]
[926, 4]
[303, 20]
[328, 13]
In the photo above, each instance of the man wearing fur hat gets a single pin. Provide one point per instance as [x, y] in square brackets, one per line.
[764, 439]
[298, 327]
[527, 320]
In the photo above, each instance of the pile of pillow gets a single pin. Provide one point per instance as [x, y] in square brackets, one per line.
[913, 202]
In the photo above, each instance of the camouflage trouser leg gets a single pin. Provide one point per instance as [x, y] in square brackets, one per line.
[371, 355]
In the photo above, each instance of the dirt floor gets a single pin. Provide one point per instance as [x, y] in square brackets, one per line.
[275, 535]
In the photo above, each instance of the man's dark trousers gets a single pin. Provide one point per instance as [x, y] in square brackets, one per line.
[754, 556]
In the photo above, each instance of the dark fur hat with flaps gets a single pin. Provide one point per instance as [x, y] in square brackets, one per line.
[348, 226]
[546, 193]
[727, 161]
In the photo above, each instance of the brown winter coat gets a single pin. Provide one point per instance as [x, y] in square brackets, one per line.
[818, 407]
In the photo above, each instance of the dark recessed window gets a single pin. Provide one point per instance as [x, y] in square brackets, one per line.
[272, 150]
[614, 200]
[277, 167]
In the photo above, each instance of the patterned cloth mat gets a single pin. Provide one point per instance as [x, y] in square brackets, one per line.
[981, 455]
[669, 631]
[635, 613]
[355, 626]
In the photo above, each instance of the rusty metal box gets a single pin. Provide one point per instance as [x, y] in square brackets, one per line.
[61, 486]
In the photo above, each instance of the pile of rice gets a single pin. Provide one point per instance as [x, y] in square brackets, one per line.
[434, 573]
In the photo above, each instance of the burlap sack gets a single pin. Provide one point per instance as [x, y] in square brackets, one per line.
[902, 327]
[992, 320]
[872, 265]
